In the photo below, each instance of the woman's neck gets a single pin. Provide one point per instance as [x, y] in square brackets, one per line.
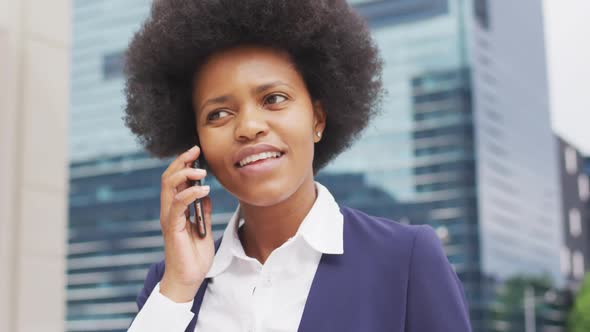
[268, 227]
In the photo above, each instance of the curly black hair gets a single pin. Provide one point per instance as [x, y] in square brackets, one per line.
[329, 43]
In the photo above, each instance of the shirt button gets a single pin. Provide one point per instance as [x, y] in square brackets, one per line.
[266, 280]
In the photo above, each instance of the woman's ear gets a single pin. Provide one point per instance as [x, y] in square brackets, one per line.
[319, 122]
[205, 166]
[203, 159]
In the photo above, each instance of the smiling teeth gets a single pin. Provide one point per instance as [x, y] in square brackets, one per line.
[255, 157]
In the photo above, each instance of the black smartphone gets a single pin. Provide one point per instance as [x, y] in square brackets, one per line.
[198, 207]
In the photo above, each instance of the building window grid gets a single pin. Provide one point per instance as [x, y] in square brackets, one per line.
[463, 129]
[565, 261]
[461, 149]
[571, 160]
[440, 115]
[583, 187]
[578, 265]
[112, 65]
[575, 222]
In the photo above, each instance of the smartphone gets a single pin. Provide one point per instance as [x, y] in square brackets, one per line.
[198, 207]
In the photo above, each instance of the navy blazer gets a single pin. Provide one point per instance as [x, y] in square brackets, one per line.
[391, 277]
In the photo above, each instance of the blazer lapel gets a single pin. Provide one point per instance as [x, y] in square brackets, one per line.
[332, 302]
[320, 309]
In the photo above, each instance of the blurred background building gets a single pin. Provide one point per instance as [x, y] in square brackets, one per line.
[464, 144]
[34, 98]
[576, 214]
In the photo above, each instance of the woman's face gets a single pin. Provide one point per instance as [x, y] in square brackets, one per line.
[253, 97]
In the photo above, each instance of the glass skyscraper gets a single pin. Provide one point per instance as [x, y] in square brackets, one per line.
[456, 146]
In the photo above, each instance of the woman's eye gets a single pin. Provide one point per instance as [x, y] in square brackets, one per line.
[275, 99]
[217, 115]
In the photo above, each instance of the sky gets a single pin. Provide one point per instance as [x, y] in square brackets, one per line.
[567, 36]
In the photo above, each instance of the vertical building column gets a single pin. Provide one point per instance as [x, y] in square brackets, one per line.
[34, 104]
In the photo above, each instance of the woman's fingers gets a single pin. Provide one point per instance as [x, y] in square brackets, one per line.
[176, 182]
[180, 180]
[182, 160]
[181, 200]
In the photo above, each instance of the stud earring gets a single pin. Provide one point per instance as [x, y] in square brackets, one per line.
[319, 134]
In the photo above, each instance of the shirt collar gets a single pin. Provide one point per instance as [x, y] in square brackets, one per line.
[322, 229]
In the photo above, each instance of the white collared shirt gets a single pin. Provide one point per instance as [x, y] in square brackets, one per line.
[244, 295]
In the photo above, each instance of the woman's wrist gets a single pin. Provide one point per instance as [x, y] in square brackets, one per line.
[177, 292]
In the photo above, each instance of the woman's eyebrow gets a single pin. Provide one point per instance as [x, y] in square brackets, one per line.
[216, 100]
[267, 86]
[261, 88]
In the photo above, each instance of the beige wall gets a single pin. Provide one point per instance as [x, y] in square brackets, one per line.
[34, 101]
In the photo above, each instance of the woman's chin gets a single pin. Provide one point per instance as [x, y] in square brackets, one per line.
[263, 197]
[264, 193]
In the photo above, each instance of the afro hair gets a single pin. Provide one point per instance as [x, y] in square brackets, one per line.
[329, 43]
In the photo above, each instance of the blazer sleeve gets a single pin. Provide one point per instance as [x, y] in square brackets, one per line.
[436, 299]
[154, 275]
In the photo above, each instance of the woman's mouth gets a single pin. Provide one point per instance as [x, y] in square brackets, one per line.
[260, 163]
[259, 158]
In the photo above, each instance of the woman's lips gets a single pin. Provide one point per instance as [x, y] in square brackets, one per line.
[261, 167]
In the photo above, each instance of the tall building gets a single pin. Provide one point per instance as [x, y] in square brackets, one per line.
[575, 188]
[468, 127]
[518, 183]
[464, 144]
[101, 32]
[111, 212]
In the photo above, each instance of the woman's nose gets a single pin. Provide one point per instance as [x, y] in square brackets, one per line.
[250, 124]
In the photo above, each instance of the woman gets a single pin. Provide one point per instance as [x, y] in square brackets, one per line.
[271, 91]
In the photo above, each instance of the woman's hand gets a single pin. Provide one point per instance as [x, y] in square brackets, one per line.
[188, 257]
